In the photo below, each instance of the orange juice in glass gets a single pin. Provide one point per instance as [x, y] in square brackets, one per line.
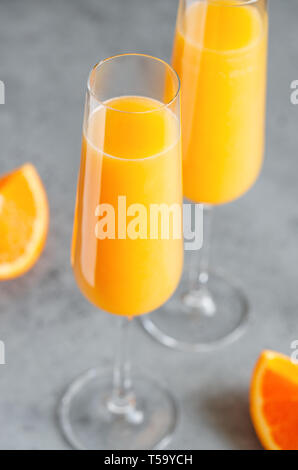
[127, 248]
[219, 53]
[128, 157]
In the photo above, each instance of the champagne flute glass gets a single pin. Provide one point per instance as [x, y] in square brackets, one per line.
[219, 52]
[122, 262]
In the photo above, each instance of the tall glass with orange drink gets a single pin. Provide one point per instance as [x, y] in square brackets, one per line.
[219, 53]
[123, 260]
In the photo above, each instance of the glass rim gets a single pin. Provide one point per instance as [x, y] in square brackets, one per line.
[134, 54]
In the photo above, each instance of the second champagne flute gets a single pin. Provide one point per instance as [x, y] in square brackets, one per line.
[219, 52]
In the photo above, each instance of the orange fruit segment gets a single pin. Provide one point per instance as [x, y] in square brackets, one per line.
[24, 217]
[274, 401]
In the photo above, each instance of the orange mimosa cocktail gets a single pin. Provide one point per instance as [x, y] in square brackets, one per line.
[133, 153]
[127, 245]
[220, 55]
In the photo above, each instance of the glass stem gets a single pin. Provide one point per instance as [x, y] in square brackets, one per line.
[199, 298]
[122, 399]
[199, 277]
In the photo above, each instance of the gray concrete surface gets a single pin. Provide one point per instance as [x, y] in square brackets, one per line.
[50, 331]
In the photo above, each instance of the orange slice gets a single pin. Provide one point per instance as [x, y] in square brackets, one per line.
[24, 217]
[274, 401]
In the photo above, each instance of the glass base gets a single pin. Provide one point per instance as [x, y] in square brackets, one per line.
[200, 320]
[89, 422]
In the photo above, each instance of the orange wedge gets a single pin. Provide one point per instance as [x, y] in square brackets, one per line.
[24, 217]
[274, 401]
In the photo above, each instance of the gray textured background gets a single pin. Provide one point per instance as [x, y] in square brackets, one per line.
[50, 331]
